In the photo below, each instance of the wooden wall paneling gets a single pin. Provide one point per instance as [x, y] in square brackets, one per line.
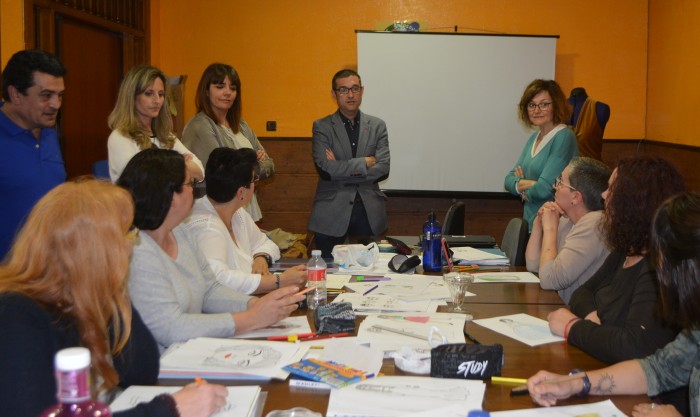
[45, 27]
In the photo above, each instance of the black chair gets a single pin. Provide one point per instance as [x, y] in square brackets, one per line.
[515, 241]
[454, 220]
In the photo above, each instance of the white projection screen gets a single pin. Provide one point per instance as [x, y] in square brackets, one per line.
[450, 104]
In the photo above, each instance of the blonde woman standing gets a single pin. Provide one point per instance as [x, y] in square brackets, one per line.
[141, 119]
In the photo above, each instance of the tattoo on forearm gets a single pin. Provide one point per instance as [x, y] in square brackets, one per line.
[605, 385]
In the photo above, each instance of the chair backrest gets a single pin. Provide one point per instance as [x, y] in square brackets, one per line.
[100, 169]
[454, 220]
[515, 241]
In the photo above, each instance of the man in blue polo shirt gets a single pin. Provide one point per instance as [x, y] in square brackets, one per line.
[30, 155]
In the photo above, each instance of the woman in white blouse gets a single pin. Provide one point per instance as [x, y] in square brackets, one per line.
[237, 251]
[219, 123]
[141, 119]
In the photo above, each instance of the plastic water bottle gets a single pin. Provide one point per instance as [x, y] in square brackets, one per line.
[432, 244]
[73, 386]
[316, 269]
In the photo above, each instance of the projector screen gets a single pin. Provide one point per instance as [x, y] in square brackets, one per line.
[450, 102]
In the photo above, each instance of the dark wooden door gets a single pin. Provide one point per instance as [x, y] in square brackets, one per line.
[93, 58]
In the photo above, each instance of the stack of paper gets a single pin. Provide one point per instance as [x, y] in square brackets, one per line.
[241, 401]
[468, 256]
[211, 358]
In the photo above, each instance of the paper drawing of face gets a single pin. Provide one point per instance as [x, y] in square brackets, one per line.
[244, 357]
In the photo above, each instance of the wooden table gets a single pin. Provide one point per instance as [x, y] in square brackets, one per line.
[521, 361]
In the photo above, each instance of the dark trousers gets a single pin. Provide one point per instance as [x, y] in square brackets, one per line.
[358, 227]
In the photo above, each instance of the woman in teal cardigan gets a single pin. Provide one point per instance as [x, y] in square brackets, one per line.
[547, 152]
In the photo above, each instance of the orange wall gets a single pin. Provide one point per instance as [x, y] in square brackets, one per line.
[287, 51]
[11, 28]
[674, 72]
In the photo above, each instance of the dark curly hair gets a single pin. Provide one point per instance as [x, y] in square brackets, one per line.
[675, 242]
[641, 184]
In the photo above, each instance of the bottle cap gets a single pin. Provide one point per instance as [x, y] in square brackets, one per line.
[72, 359]
[315, 252]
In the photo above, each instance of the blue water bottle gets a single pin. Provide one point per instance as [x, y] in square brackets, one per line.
[432, 244]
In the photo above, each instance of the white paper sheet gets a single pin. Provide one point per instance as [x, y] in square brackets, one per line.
[359, 357]
[496, 277]
[337, 281]
[390, 396]
[240, 402]
[211, 356]
[599, 409]
[522, 327]
[284, 327]
[373, 329]
[378, 303]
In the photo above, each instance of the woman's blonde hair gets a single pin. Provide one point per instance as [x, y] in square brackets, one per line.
[123, 117]
[72, 257]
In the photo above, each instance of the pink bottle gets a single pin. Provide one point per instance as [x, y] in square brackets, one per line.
[73, 383]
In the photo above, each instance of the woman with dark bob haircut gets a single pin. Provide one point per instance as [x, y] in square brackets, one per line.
[170, 280]
[675, 249]
[543, 107]
[237, 251]
[614, 315]
[218, 123]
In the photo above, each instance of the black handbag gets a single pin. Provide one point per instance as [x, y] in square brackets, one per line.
[463, 361]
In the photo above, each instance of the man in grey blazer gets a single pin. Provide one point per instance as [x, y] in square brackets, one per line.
[351, 153]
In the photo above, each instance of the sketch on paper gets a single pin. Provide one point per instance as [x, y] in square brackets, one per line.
[284, 327]
[240, 402]
[522, 327]
[391, 331]
[243, 357]
[397, 395]
[231, 356]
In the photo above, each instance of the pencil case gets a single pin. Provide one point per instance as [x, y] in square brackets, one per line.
[463, 361]
[334, 318]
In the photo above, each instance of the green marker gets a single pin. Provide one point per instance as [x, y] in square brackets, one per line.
[360, 278]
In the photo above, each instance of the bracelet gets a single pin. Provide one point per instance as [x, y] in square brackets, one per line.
[586, 382]
[267, 257]
[277, 282]
[567, 328]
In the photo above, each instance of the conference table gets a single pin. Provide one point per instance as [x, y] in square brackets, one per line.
[521, 360]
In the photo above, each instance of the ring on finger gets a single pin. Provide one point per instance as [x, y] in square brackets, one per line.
[652, 406]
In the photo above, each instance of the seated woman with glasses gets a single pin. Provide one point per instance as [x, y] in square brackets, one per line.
[170, 280]
[614, 315]
[218, 123]
[227, 235]
[543, 106]
[141, 119]
[567, 245]
[675, 249]
[65, 285]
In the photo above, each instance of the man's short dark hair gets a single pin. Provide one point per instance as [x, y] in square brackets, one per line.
[344, 73]
[228, 170]
[19, 71]
[152, 176]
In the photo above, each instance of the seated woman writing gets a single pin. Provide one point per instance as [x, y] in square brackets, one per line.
[237, 251]
[614, 315]
[170, 280]
[566, 245]
[675, 246]
[64, 285]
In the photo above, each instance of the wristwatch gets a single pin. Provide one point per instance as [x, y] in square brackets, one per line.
[267, 257]
[586, 382]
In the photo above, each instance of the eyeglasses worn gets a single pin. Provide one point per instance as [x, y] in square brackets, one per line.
[544, 106]
[199, 189]
[560, 182]
[344, 90]
[255, 180]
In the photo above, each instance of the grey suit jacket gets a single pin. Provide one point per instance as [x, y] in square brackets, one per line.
[341, 179]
